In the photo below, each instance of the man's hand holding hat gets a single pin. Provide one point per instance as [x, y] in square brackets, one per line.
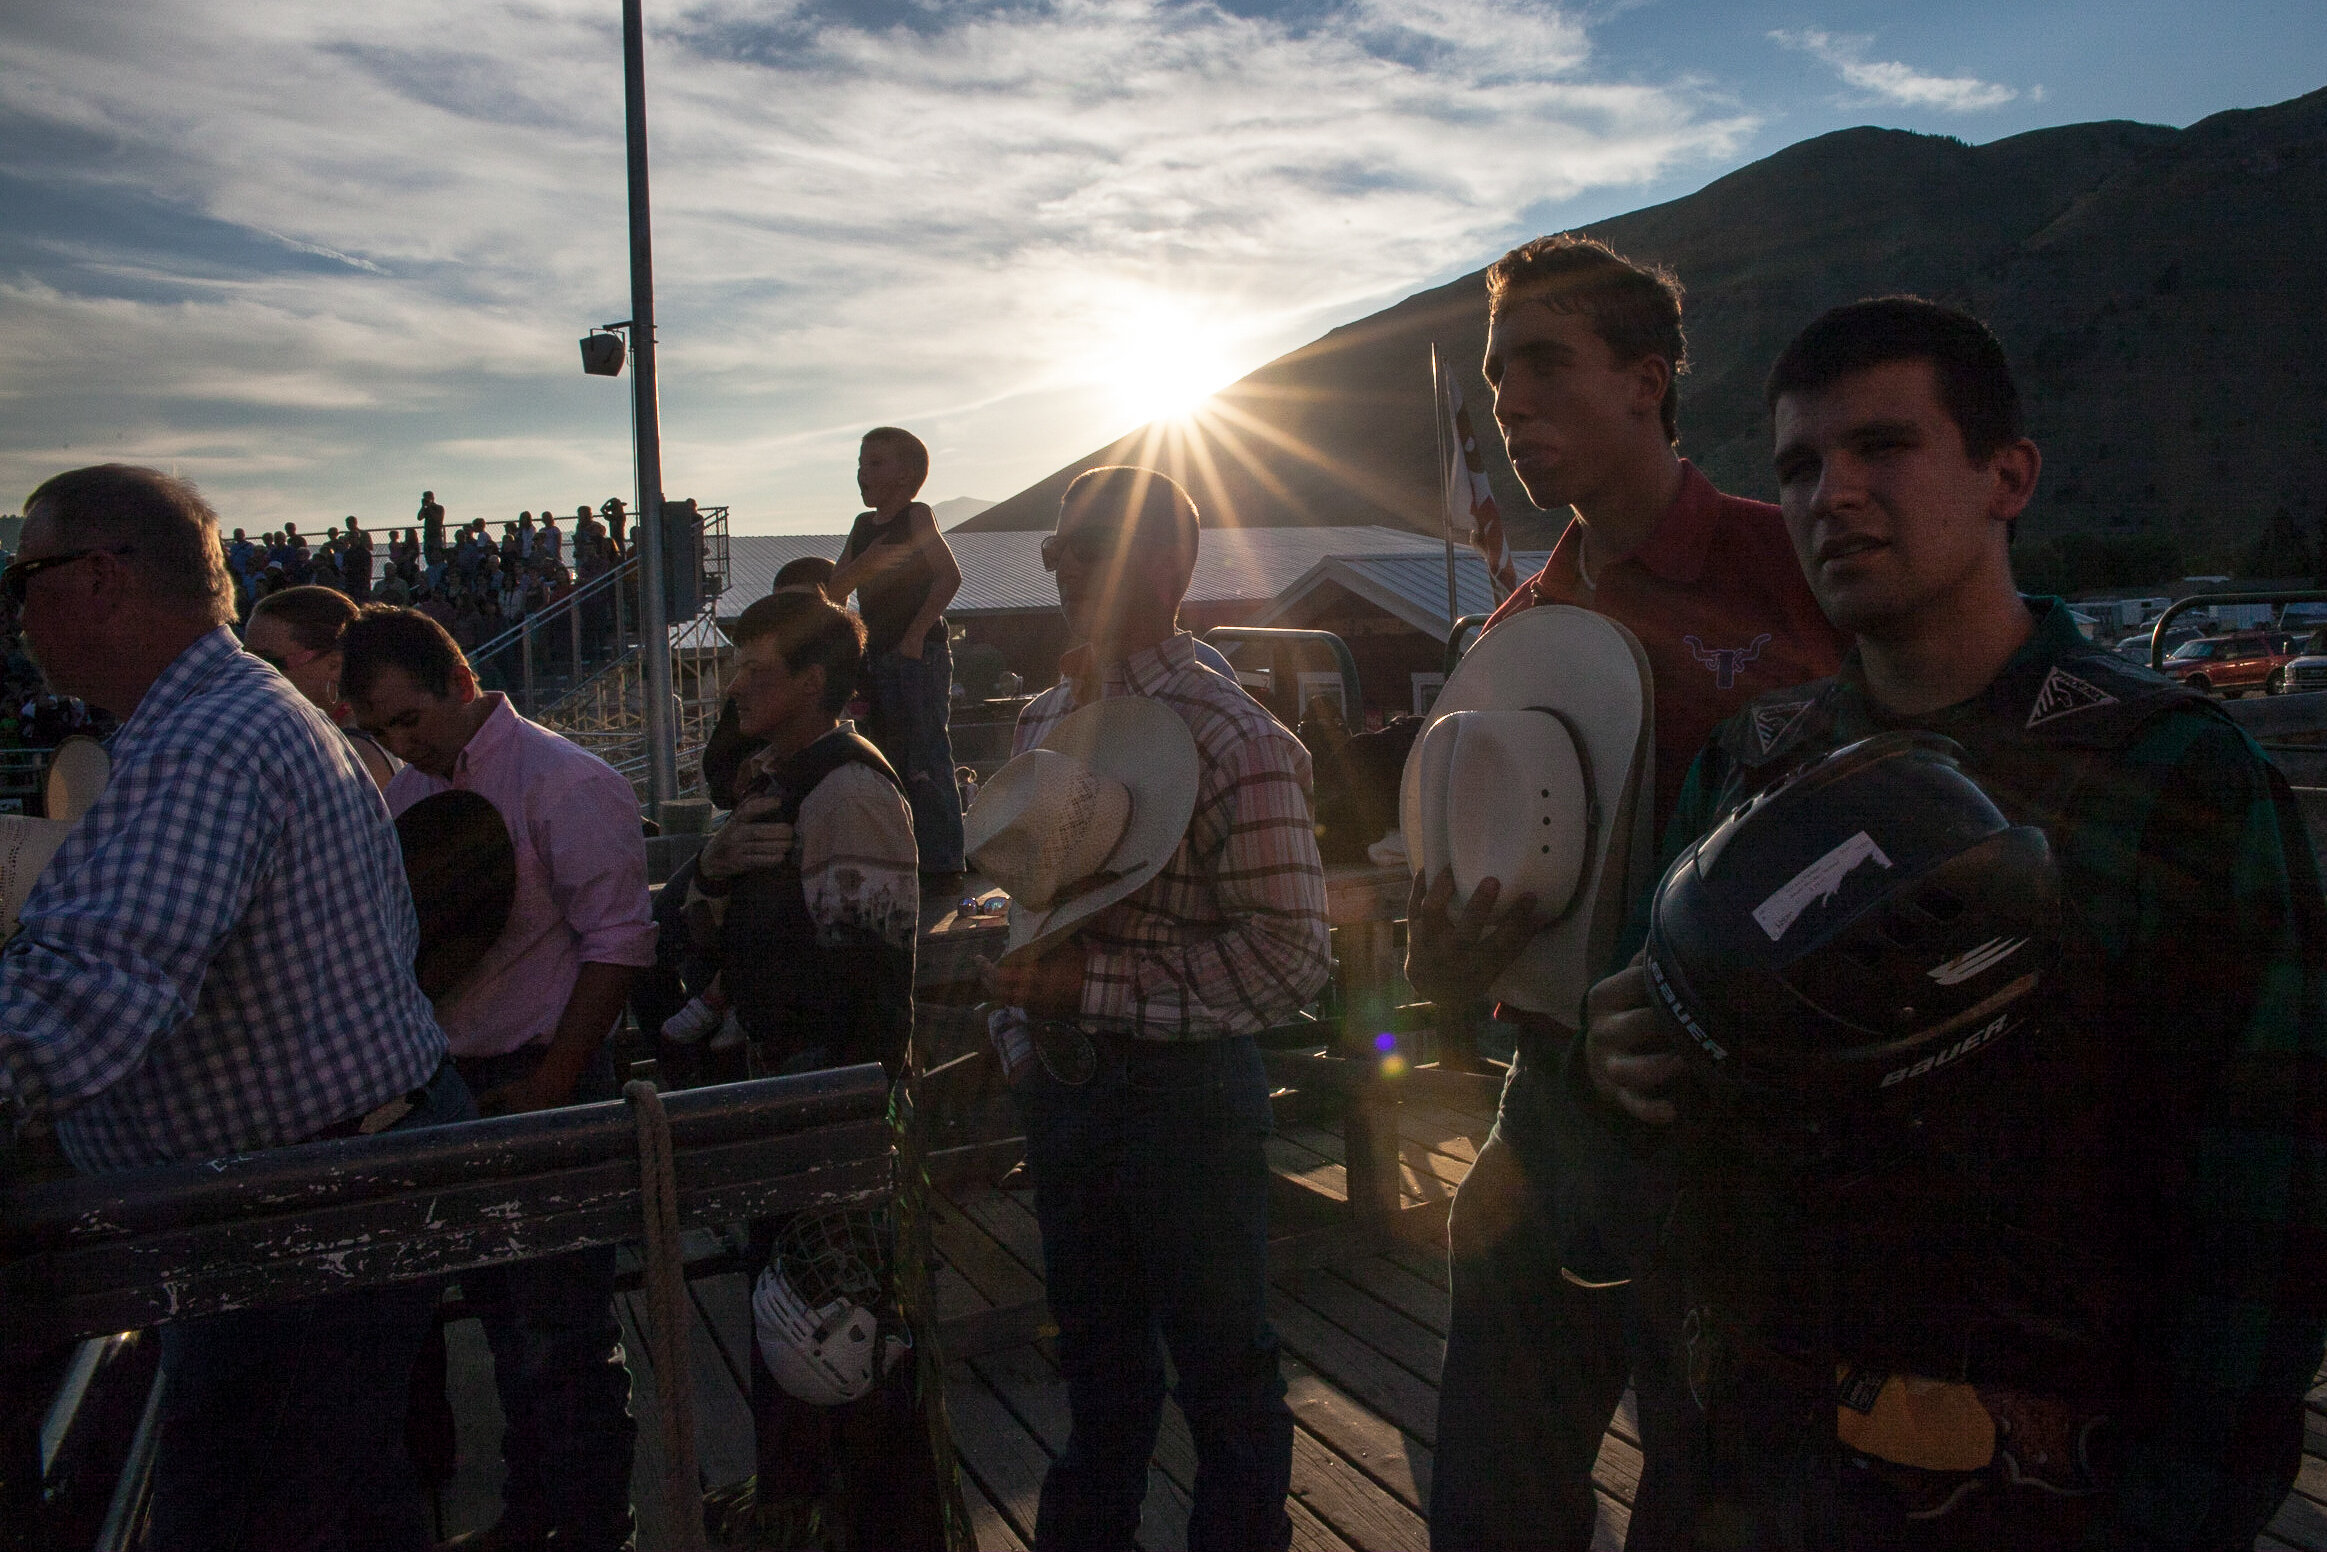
[1453, 957]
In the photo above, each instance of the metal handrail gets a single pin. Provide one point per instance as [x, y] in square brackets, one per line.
[1227, 637]
[1463, 626]
[2310, 595]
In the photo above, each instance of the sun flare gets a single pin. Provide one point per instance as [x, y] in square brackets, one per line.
[1163, 358]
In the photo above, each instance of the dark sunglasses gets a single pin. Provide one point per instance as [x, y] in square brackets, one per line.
[1093, 544]
[16, 577]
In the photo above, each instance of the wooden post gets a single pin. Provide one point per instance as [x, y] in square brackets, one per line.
[1370, 1133]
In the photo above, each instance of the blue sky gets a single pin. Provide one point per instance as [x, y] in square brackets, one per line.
[319, 257]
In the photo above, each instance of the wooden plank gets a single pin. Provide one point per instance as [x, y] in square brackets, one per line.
[2301, 1522]
[1384, 1388]
[978, 1256]
[1005, 1461]
[996, 1330]
[1420, 1351]
[1396, 1460]
[989, 1531]
[1175, 1455]
[1617, 1472]
[1423, 1302]
[1351, 1504]
[1011, 1222]
[726, 1305]
[953, 1295]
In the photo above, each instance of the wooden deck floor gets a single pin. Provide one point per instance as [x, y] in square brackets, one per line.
[1363, 1331]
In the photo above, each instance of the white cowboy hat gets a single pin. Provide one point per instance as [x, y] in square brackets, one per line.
[77, 774]
[1533, 768]
[1086, 817]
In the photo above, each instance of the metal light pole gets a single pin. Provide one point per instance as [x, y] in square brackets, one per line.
[662, 745]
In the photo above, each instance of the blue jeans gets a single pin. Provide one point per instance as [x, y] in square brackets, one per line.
[1536, 1365]
[912, 700]
[1152, 1190]
[284, 1428]
[557, 1359]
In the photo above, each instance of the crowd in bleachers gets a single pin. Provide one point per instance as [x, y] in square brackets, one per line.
[475, 584]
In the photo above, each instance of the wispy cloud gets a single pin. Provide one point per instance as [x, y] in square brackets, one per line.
[1893, 81]
[367, 236]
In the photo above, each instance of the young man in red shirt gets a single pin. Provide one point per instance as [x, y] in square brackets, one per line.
[1583, 349]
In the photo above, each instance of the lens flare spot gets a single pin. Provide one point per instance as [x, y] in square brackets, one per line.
[1386, 1042]
[1393, 1066]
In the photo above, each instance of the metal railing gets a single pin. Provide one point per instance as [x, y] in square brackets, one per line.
[1229, 637]
[2209, 600]
[578, 665]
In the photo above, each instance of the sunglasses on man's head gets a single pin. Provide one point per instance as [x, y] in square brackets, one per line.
[18, 575]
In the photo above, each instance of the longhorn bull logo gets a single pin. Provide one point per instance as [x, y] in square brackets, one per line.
[1726, 661]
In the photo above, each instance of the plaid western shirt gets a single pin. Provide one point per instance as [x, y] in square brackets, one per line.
[1230, 938]
[219, 957]
[2199, 882]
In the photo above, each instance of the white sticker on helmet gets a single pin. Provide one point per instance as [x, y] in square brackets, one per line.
[1816, 884]
[1972, 961]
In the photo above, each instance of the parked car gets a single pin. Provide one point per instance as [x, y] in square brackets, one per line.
[2229, 666]
[2308, 671]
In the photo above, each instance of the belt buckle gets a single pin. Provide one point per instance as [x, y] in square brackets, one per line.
[380, 1118]
[1065, 1051]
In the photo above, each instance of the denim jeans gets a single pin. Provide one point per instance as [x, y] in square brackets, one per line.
[1535, 1365]
[912, 700]
[1152, 1190]
[557, 1359]
[284, 1428]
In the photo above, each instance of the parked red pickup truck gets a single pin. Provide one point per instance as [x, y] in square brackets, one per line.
[2234, 664]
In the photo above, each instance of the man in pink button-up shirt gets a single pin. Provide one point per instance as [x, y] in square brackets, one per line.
[528, 1030]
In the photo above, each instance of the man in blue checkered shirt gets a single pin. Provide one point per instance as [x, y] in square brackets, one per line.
[218, 959]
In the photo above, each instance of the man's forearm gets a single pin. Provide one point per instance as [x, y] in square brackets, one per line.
[596, 1002]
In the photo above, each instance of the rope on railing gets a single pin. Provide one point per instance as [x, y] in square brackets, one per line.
[666, 1302]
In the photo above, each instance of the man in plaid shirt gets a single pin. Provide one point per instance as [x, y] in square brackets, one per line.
[218, 959]
[1147, 1105]
[2125, 1260]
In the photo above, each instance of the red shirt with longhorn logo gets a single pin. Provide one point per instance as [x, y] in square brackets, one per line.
[1718, 602]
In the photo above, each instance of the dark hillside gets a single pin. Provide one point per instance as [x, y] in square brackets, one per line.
[2161, 291]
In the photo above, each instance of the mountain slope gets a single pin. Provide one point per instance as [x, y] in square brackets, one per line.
[2159, 291]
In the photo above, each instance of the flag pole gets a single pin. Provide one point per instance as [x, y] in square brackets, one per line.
[1445, 492]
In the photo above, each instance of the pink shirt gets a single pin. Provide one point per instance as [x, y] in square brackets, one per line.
[581, 878]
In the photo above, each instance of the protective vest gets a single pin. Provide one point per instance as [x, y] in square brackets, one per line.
[1994, 1235]
[787, 996]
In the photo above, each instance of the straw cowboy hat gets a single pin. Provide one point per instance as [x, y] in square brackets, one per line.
[1532, 768]
[1086, 817]
[77, 773]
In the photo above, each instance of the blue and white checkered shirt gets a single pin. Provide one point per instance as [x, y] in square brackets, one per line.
[219, 957]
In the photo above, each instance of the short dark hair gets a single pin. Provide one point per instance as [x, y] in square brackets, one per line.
[317, 617]
[807, 571]
[1143, 503]
[809, 629]
[1635, 309]
[385, 636]
[914, 451]
[168, 530]
[1975, 381]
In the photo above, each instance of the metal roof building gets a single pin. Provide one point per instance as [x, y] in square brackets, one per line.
[1409, 587]
[1002, 572]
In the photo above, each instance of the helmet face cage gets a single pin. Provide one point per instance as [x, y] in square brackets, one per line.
[840, 1256]
[1853, 933]
[821, 1306]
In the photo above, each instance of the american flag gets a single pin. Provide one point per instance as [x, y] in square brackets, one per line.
[1470, 501]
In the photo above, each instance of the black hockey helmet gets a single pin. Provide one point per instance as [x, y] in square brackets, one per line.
[1868, 922]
